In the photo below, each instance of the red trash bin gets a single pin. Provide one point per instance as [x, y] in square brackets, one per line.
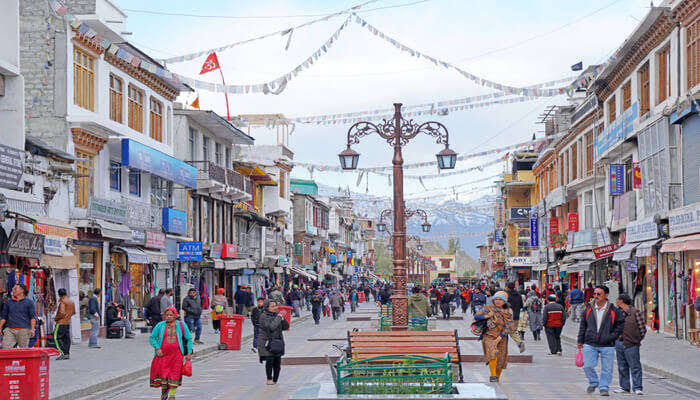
[287, 312]
[24, 373]
[230, 332]
[361, 297]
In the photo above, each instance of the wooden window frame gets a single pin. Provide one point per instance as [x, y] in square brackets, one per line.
[116, 99]
[692, 48]
[135, 108]
[282, 184]
[589, 153]
[612, 109]
[574, 161]
[115, 165]
[663, 61]
[644, 89]
[156, 119]
[626, 95]
[85, 178]
[83, 79]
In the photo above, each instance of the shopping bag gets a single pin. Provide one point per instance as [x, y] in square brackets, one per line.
[578, 360]
[187, 368]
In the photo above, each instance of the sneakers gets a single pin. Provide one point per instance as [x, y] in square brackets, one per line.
[639, 392]
[559, 354]
[604, 393]
[621, 390]
[493, 379]
[129, 336]
[590, 389]
[94, 346]
[269, 382]
[253, 349]
[199, 342]
[63, 357]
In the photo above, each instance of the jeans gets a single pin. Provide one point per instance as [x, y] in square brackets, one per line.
[336, 312]
[297, 307]
[353, 306]
[553, 338]
[94, 330]
[124, 323]
[628, 361]
[195, 324]
[590, 361]
[434, 307]
[256, 330]
[445, 307]
[316, 311]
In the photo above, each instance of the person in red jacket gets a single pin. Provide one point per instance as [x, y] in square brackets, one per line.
[554, 320]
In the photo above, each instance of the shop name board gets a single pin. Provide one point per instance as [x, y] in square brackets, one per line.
[141, 157]
[523, 261]
[174, 221]
[189, 251]
[617, 179]
[605, 251]
[520, 213]
[644, 229]
[54, 245]
[617, 131]
[138, 236]
[25, 244]
[229, 250]
[534, 231]
[107, 210]
[11, 166]
[155, 240]
[53, 230]
[684, 221]
[573, 222]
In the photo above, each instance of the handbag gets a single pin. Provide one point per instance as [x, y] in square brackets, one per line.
[275, 346]
[187, 368]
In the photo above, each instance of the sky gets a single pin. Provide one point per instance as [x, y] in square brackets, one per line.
[514, 42]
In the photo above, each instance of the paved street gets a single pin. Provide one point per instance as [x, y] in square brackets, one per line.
[239, 375]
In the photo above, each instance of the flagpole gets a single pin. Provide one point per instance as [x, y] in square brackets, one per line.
[228, 117]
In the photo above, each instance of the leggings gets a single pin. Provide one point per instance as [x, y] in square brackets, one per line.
[216, 323]
[272, 367]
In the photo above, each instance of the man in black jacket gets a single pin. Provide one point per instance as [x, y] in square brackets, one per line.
[153, 309]
[113, 317]
[515, 300]
[192, 306]
[255, 314]
[601, 324]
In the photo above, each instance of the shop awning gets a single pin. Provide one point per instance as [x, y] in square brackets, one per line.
[217, 262]
[238, 264]
[134, 255]
[254, 217]
[55, 227]
[578, 256]
[156, 257]
[334, 274]
[625, 252]
[58, 262]
[107, 229]
[539, 267]
[578, 267]
[681, 243]
[644, 249]
[302, 272]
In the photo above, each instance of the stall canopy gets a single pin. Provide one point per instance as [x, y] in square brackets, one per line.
[134, 255]
[238, 264]
[304, 273]
[107, 229]
[539, 267]
[625, 252]
[681, 243]
[579, 267]
[644, 249]
[58, 262]
[156, 257]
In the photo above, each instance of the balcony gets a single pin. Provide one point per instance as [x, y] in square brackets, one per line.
[211, 178]
[273, 204]
[238, 187]
[141, 214]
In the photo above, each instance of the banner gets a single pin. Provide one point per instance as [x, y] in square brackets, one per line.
[637, 182]
[573, 222]
[534, 231]
[617, 179]
[553, 229]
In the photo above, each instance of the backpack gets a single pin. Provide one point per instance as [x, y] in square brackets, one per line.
[536, 306]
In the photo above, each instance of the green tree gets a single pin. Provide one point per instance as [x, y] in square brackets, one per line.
[383, 260]
[453, 246]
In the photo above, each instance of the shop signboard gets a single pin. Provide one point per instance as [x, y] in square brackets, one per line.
[11, 166]
[573, 222]
[605, 251]
[174, 221]
[617, 179]
[617, 130]
[229, 250]
[332, 259]
[684, 221]
[521, 213]
[107, 210]
[643, 229]
[637, 178]
[144, 158]
[155, 240]
[138, 236]
[25, 244]
[54, 245]
[553, 229]
[534, 235]
[190, 251]
[632, 265]
[523, 261]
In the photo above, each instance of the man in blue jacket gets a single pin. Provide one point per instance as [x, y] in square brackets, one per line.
[601, 324]
[576, 302]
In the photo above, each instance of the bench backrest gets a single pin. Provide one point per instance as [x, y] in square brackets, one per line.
[367, 344]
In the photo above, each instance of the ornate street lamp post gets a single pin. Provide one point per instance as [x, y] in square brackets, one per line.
[398, 132]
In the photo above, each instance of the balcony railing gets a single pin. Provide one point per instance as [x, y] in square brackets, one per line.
[142, 215]
[207, 170]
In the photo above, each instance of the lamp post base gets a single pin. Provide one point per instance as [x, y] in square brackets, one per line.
[399, 308]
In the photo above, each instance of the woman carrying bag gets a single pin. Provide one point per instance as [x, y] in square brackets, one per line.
[495, 341]
[271, 341]
[218, 307]
[173, 345]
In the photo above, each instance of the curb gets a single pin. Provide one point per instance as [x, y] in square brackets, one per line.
[120, 380]
[672, 376]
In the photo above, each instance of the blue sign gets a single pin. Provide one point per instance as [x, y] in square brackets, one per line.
[496, 237]
[190, 251]
[331, 259]
[175, 221]
[144, 158]
[617, 179]
[617, 130]
[684, 110]
[534, 233]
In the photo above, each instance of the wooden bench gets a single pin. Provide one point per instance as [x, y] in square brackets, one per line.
[367, 344]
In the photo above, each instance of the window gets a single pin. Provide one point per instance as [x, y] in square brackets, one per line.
[692, 49]
[588, 209]
[196, 217]
[629, 173]
[161, 192]
[217, 154]
[83, 79]
[206, 220]
[193, 144]
[228, 157]
[116, 93]
[135, 182]
[115, 176]
[205, 148]
[84, 179]
[655, 165]
[524, 249]
[626, 95]
[664, 74]
[574, 162]
[611, 110]
[135, 109]
[644, 89]
[156, 120]
[589, 153]
[282, 184]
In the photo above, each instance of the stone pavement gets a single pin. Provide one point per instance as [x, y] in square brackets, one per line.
[661, 354]
[239, 375]
[119, 361]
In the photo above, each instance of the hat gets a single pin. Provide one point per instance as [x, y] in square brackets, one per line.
[552, 297]
[220, 291]
[500, 295]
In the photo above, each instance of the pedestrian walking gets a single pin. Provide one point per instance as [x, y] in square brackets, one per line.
[588, 294]
[255, 319]
[495, 341]
[153, 314]
[61, 333]
[534, 307]
[478, 301]
[627, 347]
[326, 306]
[445, 304]
[464, 293]
[601, 326]
[336, 303]
[296, 300]
[241, 298]
[271, 340]
[93, 310]
[353, 300]
[554, 317]
[515, 301]
[316, 305]
[173, 345]
[18, 319]
[218, 307]
[418, 304]
[114, 317]
[192, 306]
[167, 300]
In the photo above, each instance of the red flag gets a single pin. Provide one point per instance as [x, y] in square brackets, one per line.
[210, 64]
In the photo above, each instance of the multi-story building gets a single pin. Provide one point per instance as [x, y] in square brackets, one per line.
[445, 267]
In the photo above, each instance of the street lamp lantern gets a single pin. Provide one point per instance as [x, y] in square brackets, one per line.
[390, 248]
[426, 227]
[349, 159]
[381, 227]
[447, 158]
[419, 247]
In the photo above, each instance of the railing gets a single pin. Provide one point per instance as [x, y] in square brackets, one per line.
[415, 323]
[140, 214]
[235, 180]
[394, 374]
[209, 170]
